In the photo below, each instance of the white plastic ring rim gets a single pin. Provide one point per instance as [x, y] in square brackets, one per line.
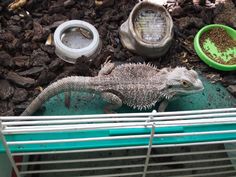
[75, 53]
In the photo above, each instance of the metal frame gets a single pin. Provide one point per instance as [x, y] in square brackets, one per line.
[33, 125]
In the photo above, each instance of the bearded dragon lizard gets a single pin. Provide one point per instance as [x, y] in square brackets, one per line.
[139, 86]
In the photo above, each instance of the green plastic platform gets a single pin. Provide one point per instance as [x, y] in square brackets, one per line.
[119, 142]
[214, 96]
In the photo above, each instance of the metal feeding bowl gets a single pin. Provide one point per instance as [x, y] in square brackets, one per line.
[76, 38]
[148, 31]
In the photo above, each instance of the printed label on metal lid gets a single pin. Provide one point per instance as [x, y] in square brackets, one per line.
[150, 25]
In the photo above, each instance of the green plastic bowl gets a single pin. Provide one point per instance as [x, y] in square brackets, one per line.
[212, 63]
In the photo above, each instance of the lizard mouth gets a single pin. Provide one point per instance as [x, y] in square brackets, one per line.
[200, 89]
[187, 92]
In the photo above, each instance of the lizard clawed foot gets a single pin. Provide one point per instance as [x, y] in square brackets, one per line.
[163, 105]
[106, 68]
[107, 110]
[114, 102]
[106, 61]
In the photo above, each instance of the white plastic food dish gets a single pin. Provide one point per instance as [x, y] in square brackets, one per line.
[76, 38]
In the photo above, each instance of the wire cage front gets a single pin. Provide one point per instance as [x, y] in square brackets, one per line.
[173, 144]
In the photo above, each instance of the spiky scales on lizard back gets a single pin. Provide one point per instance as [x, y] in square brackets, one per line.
[136, 85]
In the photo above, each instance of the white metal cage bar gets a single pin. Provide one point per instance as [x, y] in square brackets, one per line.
[173, 159]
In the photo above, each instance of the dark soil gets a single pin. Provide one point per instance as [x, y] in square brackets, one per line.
[222, 41]
[28, 65]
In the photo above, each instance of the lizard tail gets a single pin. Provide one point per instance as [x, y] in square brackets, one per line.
[72, 83]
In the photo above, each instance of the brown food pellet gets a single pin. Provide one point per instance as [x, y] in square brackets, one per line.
[222, 41]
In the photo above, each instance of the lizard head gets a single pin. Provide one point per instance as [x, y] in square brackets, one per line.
[181, 81]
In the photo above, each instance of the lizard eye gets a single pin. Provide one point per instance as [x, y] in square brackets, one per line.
[185, 83]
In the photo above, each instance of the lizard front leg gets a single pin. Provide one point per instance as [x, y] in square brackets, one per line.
[163, 105]
[114, 102]
[106, 68]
